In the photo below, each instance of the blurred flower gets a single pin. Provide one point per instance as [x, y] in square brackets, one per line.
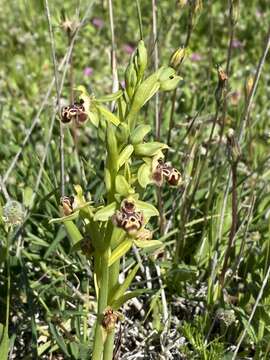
[258, 14]
[88, 71]
[128, 48]
[235, 97]
[237, 44]
[123, 84]
[195, 57]
[13, 213]
[98, 23]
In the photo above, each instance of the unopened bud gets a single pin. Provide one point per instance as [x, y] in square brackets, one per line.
[177, 58]
[234, 11]
[142, 59]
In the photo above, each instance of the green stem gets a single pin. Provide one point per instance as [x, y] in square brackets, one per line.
[8, 282]
[109, 345]
[102, 303]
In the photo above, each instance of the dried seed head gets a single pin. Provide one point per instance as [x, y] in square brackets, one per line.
[110, 319]
[13, 213]
[68, 204]
[226, 316]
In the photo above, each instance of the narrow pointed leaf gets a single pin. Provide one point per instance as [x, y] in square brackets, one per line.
[123, 287]
[120, 251]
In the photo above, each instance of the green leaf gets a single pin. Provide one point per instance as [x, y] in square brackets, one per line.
[148, 209]
[138, 134]
[144, 175]
[124, 155]
[149, 149]
[59, 339]
[110, 97]
[120, 251]
[116, 304]
[4, 342]
[122, 187]
[121, 289]
[106, 212]
[109, 116]
[147, 243]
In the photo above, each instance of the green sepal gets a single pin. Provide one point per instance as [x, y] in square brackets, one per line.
[124, 155]
[148, 210]
[144, 175]
[106, 212]
[171, 83]
[138, 134]
[149, 149]
[122, 187]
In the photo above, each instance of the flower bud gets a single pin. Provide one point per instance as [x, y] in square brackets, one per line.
[130, 79]
[177, 58]
[142, 59]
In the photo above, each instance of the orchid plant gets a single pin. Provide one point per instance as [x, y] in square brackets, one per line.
[109, 231]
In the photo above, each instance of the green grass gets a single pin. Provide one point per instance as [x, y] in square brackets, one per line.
[52, 295]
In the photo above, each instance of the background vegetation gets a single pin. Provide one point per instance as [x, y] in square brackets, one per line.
[206, 299]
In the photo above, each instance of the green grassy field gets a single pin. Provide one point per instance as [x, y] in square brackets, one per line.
[145, 263]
